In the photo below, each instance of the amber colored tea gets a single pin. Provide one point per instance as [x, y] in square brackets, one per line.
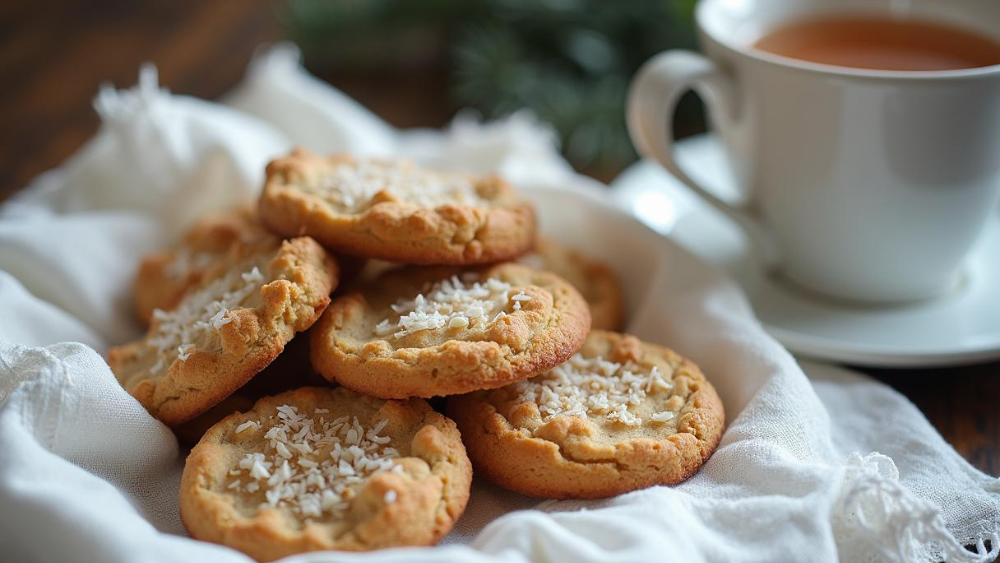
[882, 44]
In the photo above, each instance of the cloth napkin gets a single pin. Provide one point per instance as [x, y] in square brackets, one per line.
[826, 468]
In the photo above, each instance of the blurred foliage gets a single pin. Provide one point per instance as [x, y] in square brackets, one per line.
[569, 61]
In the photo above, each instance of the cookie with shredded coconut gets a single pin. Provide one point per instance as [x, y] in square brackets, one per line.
[433, 331]
[165, 276]
[595, 281]
[247, 307]
[620, 415]
[393, 210]
[319, 469]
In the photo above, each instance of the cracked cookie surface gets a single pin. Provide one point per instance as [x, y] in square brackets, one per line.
[165, 276]
[319, 469]
[433, 331]
[595, 281]
[247, 307]
[393, 210]
[620, 415]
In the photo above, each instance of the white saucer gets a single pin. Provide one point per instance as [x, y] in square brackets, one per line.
[960, 327]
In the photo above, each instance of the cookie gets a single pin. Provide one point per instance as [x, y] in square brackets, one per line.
[288, 371]
[595, 281]
[320, 469]
[620, 415]
[393, 210]
[432, 331]
[247, 308]
[165, 276]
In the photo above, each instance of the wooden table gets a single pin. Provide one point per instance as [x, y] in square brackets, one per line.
[53, 59]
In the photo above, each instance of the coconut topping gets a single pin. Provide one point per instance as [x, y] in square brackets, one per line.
[596, 387]
[353, 185]
[452, 303]
[311, 465]
[200, 315]
[248, 425]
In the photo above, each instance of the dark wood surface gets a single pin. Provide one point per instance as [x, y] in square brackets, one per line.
[53, 56]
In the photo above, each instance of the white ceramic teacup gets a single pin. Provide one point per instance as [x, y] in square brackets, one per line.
[866, 185]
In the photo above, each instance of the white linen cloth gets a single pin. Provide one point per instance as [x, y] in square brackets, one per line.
[87, 475]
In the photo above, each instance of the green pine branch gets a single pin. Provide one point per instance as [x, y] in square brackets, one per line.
[569, 61]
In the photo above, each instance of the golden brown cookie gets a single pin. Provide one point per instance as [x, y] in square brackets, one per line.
[595, 281]
[395, 211]
[319, 469]
[230, 327]
[431, 331]
[165, 276]
[288, 371]
[620, 415]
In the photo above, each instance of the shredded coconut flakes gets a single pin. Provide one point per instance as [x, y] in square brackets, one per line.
[597, 387]
[451, 303]
[352, 186]
[314, 467]
[248, 425]
[184, 351]
[199, 316]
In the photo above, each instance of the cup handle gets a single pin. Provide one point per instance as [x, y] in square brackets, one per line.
[652, 101]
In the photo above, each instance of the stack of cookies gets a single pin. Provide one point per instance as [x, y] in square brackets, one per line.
[441, 288]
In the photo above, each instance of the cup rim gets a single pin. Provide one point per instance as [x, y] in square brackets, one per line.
[751, 52]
